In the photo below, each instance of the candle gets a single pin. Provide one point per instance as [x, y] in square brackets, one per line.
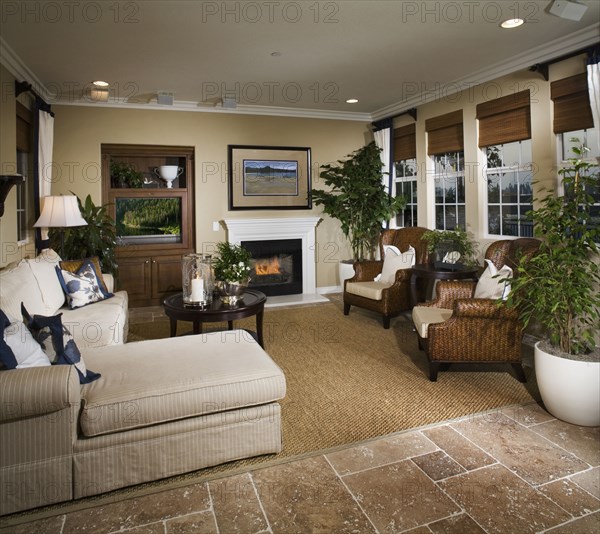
[197, 290]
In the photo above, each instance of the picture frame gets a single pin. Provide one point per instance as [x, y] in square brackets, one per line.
[269, 177]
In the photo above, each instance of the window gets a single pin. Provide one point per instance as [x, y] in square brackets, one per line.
[445, 145]
[24, 167]
[405, 173]
[405, 182]
[509, 188]
[449, 176]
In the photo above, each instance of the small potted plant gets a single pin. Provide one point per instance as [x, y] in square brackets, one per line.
[124, 175]
[358, 199]
[558, 287]
[232, 271]
[442, 242]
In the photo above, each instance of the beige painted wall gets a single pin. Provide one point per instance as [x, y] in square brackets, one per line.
[79, 132]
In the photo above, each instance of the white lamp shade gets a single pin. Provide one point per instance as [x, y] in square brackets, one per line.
[59, 212]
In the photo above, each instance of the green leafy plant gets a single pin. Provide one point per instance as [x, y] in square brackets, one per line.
[358, 199]
[125, 175]
[449, 240]
[232, 263]
[558, 286]
[98, 238]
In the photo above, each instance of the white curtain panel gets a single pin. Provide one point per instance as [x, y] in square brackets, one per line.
[45, 146]
[593, 76]
[382, 140]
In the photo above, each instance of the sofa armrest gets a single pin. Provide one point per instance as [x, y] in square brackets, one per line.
[366, 270]
[448, 291]
[37, 391]
[109, 280]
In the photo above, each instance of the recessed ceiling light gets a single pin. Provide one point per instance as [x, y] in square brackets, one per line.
[100, 83]
[352, 101]
[512, 23]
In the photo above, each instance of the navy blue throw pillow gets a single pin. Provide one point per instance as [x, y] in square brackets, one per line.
[7, 356]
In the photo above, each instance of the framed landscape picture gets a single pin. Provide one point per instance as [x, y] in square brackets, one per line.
[269, 177]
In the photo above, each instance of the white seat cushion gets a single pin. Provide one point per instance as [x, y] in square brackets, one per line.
[152, 382]
[423, 316]
[368, 290]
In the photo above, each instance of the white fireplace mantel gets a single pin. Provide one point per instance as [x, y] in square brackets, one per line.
[303, 228]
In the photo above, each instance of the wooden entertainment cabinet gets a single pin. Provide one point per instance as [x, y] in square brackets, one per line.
[150, 263]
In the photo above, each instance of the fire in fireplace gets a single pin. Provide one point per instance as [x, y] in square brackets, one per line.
[276, 266]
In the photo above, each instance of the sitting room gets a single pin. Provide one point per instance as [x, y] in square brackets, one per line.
[272, 267]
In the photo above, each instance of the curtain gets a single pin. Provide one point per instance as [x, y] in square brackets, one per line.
[382, 140]
[44, 139]
[593, 79]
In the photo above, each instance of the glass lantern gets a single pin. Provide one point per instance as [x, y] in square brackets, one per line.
[197, 280]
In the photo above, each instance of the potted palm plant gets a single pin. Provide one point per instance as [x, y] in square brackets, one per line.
[358, 199]
[559, 288]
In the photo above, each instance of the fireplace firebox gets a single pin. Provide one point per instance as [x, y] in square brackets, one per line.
[276, 266]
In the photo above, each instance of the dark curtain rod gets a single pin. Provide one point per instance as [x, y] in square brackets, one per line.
[24, 87]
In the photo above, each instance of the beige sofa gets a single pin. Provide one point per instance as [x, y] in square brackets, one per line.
[34, 283]
[161, 408]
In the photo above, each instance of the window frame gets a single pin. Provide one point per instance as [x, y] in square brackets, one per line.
[454, 175]
[412, 181]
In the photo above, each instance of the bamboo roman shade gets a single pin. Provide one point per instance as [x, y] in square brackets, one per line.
[405, 143]
[445, 133]
[504, 120]
[571, 99]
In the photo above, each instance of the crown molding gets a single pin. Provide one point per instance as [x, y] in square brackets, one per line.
[560, 47]
[241, 109]
[15, 65]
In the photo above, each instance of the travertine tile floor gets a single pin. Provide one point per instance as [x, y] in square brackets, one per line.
[514, 470]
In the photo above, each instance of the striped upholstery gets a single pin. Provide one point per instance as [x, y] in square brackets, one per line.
[156, 383]
[38, 427]
[216, 393]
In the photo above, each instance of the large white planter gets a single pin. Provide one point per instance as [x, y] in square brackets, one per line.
[570, 389]
[345, 271]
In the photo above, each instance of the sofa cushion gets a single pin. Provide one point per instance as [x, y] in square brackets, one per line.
[27, 351]
[102, 323]
[18, 284]
[43, 268]
[151, 382]
[368, 290]
[73, 266]
[423, 316]
[57, 343]
[83, 287]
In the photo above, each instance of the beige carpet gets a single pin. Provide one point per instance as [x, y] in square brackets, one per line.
[349, 379]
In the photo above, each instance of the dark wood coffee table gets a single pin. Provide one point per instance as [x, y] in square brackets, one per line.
[429, 272]
[253, 303]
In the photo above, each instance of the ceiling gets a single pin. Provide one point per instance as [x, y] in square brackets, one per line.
[281, 57]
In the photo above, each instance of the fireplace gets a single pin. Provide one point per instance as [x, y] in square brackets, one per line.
[300, 231]
[276, 266]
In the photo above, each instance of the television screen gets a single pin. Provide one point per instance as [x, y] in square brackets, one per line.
[148, 220]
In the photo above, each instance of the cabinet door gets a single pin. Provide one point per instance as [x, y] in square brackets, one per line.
[135, 276]
[166, 275]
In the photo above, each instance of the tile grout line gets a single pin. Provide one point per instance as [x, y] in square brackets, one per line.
[341, 479]
[262, 508]
[572, 520]
[211, 507]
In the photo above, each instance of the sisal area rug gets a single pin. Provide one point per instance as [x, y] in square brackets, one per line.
[348, 380]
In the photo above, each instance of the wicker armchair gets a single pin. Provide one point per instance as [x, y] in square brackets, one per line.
[463, 329]
[388, 301]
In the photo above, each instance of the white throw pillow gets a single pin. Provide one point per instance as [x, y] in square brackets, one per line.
[394, 260]
[27, 350]
[489, 285]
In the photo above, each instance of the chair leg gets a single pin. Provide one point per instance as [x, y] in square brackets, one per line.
[433, 371]
[346, 308]
[386, 321]
[519, 371]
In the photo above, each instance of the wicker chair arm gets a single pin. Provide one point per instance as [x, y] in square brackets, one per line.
[365, 271]
[448, 291]
[484, 309]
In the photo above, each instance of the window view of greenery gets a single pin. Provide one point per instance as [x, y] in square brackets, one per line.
[148, 217]
[509, 189]
[450, 191]
[406, 186]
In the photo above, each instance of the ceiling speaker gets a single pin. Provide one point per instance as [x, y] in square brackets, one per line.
[567, 9]
[164, 99]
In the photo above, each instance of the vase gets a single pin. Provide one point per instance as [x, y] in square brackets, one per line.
[230, 292]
